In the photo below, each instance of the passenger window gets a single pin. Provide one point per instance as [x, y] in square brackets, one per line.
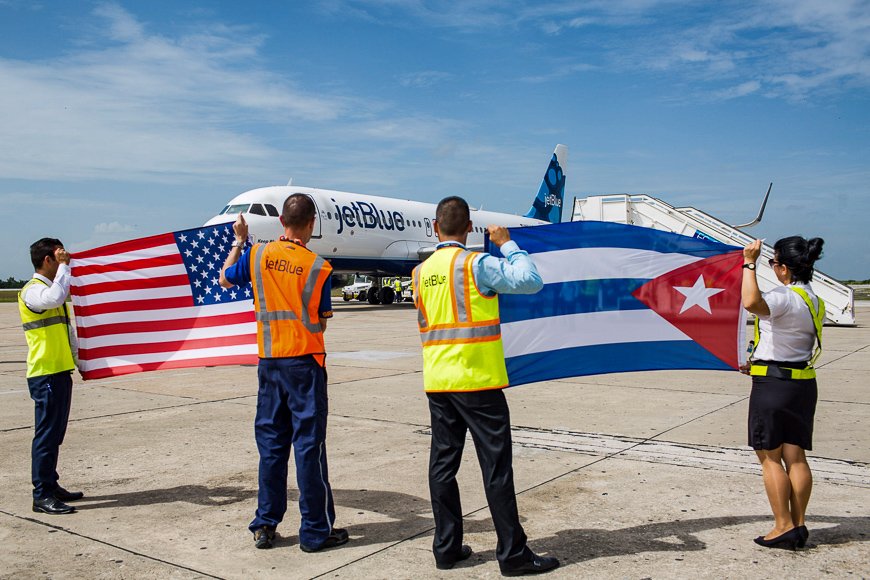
[329, 215]
[257, 209]
[270, 209]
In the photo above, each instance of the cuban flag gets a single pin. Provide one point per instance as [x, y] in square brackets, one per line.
[620, 298]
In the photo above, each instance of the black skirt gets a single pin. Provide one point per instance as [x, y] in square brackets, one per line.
[782, 411]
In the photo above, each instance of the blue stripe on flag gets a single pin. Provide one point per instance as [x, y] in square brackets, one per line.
[572, 235]
[610, 358]
[576, 297]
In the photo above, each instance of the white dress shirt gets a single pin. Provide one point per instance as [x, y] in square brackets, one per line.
[788, 332]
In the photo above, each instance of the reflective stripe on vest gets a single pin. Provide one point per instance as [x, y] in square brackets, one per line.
[288, 323]
[459, 326]
[48, 340]
[782, 372]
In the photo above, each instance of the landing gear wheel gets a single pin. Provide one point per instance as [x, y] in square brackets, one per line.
[387, 295]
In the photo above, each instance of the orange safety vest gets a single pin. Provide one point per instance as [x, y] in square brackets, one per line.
[288, 279]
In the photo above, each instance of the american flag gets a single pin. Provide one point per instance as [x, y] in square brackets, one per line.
[155, 303]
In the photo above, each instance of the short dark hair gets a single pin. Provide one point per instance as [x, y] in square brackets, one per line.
[42, 248]
[453, 216]
[799, 255]
[298, 211]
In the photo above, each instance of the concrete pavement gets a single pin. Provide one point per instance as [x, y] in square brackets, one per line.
[641, 475]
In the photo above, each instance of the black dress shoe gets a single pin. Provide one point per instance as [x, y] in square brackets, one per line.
[264, 537]
[786, 541]
[464, 554]
[64, 495]
[52, 505]
[337, 537]
[804, 536]
[537, 565]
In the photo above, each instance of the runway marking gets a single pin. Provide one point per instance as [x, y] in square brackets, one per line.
[732, 459]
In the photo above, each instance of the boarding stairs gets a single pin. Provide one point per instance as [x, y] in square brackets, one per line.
[650, 212]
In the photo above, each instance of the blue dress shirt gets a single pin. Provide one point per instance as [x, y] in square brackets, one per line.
[516, 274]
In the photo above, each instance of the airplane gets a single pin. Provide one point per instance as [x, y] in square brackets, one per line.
[383, 236]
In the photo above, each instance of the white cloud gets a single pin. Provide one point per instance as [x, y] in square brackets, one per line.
[113, 228]
[136, 105]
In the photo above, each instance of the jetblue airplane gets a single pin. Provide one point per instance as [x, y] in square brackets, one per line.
[383, 236]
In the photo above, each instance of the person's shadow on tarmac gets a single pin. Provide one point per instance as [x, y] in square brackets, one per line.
[410, 516]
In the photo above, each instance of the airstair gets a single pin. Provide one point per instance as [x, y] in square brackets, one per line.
[650, 212]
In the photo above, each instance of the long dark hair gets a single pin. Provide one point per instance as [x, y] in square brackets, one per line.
[799, 255]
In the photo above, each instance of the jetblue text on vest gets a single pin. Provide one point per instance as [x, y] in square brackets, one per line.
[284, 266]
[367, 215]
[434, 279]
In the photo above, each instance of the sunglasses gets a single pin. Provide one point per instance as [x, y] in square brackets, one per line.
[771, 262]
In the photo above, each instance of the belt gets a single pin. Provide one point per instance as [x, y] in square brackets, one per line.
[782, 372]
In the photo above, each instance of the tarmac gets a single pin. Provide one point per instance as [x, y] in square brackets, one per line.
[636, 475]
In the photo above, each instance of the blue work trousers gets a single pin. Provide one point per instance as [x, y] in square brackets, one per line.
[291, 411]
[52, 396]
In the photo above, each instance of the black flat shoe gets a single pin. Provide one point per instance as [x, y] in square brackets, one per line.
[52, 506]
[537, 565]
[786, 541]
[464, 554]
[337, 537]
[64, 495]
[804, 536]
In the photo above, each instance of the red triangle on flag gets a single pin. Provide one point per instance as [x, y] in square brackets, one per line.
[702, 299]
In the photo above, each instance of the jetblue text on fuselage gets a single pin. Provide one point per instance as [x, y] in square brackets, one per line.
[366, 215]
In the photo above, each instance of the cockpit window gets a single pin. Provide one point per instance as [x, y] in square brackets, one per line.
[257, 209]
[224, 210]
[238, 208]
[271, 210]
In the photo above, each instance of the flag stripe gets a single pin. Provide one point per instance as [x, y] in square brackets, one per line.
[168, 345]
[139, 247]
[611, 358]
[131, 305]
[572, 235]
[146, 316]
[139, 274]
[605, 263]
[180, 355]
[126, 265]
[164, 324]
[136, 337]
[561, 332]
[565, 298]
[219, 360]
[137, 284]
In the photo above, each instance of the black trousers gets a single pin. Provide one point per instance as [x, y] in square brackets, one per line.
[52, 397]
[486, 415]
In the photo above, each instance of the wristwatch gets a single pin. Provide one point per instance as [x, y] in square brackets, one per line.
[749, 266]
[238, 244]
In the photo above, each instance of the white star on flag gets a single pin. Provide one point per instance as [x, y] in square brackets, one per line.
[697, 295]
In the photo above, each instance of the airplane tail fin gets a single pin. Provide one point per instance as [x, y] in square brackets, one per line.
[548, 203]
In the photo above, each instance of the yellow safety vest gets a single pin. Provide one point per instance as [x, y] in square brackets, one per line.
[47, 333]
[459, 326]
[787, 373]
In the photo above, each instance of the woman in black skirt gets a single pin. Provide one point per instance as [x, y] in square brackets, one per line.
[783, 400]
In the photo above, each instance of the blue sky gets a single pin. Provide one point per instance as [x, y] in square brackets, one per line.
[125, 119]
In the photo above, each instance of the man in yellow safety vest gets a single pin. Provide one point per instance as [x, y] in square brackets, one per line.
[456, 295]
[50, 362]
